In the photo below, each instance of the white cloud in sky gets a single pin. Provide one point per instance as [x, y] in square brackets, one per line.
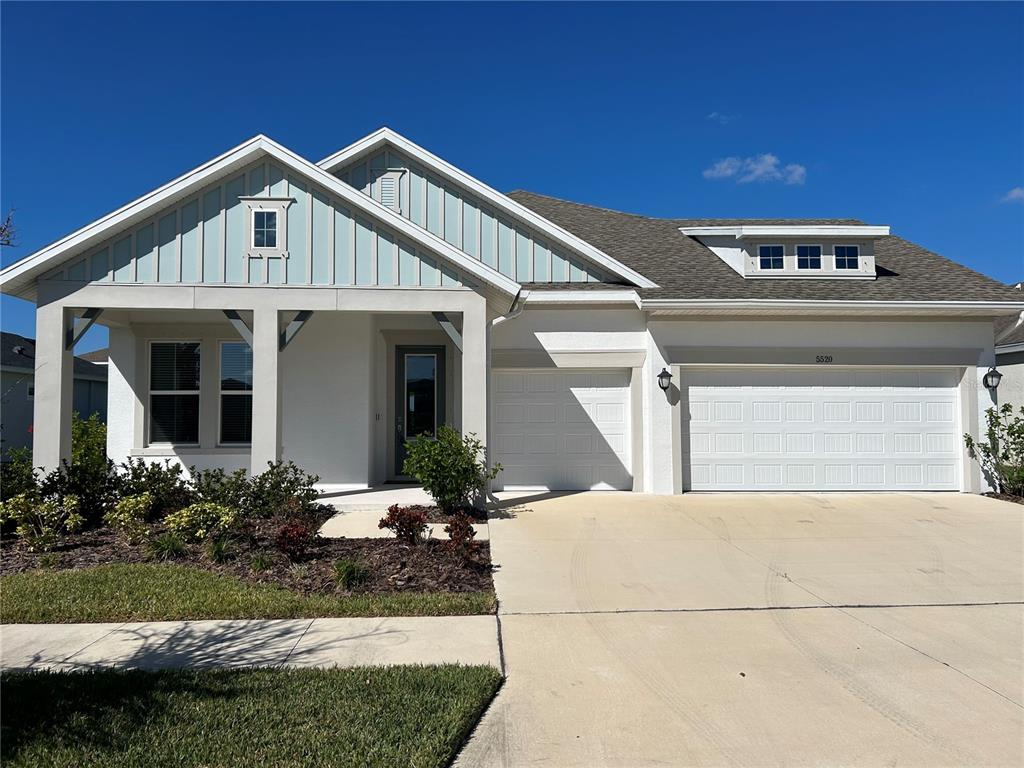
[760, 168]
[1015, 195]
[722, 118]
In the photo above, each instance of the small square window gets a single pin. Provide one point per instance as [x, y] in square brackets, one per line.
[30, 390]
[264, 229]
[770, 256]
[808, 257]
[847, 257]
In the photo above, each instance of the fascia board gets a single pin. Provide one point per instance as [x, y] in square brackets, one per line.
[789, 230]
[443, 168]
[995, 308]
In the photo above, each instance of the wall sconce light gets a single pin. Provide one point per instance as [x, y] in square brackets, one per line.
[664, 380]
[992, 378]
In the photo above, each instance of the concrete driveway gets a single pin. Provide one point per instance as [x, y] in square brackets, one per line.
[743, 629]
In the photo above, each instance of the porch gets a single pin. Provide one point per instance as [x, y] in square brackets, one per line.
[334, 380]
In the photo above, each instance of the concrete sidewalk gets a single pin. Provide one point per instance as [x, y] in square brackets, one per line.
[363, 524]
[349, 642]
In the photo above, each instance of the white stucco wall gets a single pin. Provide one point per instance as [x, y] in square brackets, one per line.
[1011, 388]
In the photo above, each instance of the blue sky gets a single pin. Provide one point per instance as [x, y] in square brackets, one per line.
[904, 114]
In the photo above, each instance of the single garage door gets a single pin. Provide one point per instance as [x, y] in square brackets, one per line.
[562, 429]
[820, 429]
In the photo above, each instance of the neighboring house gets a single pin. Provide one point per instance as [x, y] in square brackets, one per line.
[17, 390]
[262, 306]
[1010, 357]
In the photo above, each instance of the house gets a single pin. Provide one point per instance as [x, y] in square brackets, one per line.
[17, 390]
[1010, 357]
[263, 306]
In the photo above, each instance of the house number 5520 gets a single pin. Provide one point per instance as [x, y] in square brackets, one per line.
[825, 359]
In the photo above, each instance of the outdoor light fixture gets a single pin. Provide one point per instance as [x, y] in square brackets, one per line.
[664, 380]
[992, 378]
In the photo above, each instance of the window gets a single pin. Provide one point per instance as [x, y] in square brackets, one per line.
[847, 257]
[264, 229]
[30, 390]
[808, 257]
[174, 392]
[235, 392]
[770, 256]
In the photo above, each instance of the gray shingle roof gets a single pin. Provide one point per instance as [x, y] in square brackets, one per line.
[683, 268]
[26, 360]
[1016, 337]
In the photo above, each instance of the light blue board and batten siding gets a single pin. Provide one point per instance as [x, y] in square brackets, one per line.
[451, 213]
[204, 239]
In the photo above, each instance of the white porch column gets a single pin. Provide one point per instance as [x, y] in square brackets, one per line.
[266, 401]
[475, 379]
[54, 381]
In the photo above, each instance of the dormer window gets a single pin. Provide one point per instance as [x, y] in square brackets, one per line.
[808, 257]
[847, 257]
[264, 229]
[771, 256]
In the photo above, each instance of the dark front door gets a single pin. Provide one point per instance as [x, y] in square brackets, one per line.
[419, 396]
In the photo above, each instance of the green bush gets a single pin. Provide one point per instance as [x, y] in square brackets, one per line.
[261, 561]
[1001, 456]
[197, 521]
[17, 475]
[89, 443]
[452, 468]
[163, 481]
[220, 549]
[129, 515]
[217, 486]
[41, 522]
[167, 546]
[272, 491]
[350, 573]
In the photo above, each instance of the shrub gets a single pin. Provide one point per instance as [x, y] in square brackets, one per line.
[409, 524]
[41, 522]
[350, 573]
[167, 546]
[197, 521]
[270, 491]
[163, 481]
[293, 539]
[17, 475]
[1001, 456]
[220, 549]
[217, 486]
[451, 468]
[261, 561]
[128, 517]
[460, 533]
[89, 443]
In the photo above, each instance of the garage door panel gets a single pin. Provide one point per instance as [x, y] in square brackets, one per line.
[845, 430]
[577, 422]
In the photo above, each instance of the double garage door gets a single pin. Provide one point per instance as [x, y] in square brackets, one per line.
[562, 429]
[820, 429]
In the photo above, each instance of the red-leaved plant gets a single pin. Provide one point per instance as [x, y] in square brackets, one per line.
[407, 523]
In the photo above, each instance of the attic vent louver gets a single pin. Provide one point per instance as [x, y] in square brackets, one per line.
[388, 189]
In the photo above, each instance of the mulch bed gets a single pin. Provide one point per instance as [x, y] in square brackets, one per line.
[392, 566]
[435, 515]
[1006, 497]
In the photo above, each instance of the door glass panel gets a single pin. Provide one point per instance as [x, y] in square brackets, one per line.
[420, 395]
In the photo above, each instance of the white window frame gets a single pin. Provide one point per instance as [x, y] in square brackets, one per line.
[761, 268]
[835, 258]
[277, 205]
[150, 392]
[821, 256]
[221, 392]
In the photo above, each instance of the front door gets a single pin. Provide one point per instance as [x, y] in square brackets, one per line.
[419, 395]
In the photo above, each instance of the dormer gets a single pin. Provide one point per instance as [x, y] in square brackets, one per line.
[767, 251]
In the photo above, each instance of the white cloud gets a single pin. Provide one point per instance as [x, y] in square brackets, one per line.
[722, 118]
[760, 168]
[1015, 195]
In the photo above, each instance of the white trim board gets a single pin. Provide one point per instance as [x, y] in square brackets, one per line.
[386, 136]
[19, 278]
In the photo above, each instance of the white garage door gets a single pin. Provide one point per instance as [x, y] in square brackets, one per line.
[813, 429]
[562, 429]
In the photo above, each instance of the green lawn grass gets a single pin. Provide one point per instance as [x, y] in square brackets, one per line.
[390, 716]
[160, 592]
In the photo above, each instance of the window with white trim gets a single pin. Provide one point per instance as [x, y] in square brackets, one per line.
[808, 257]
[235, 393]
[174, 392]
[771, 256]
[264, 229]
[847, 257]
